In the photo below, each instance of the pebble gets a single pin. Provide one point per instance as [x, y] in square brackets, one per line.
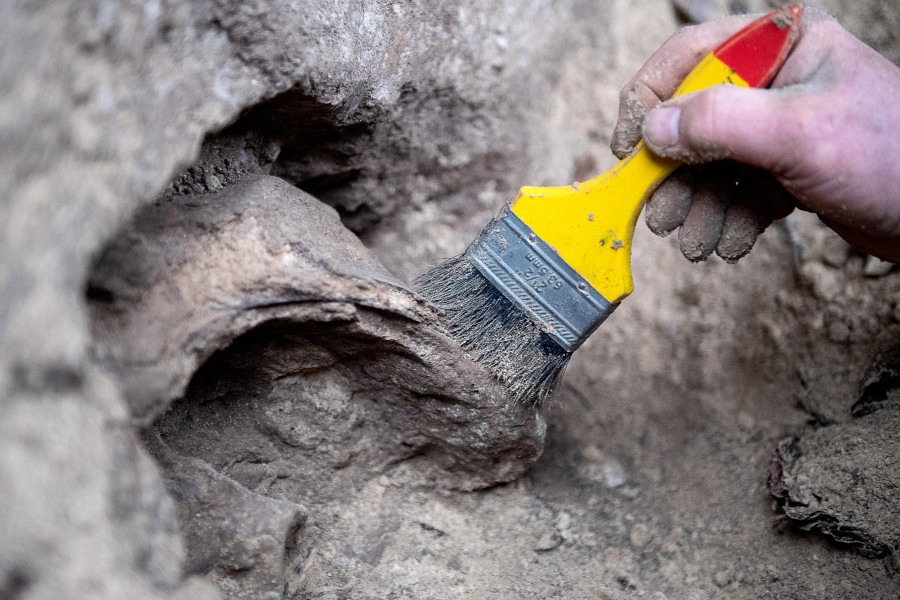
[827, 284]
[698, 11]
[631, 492]
[548, 541]
[836, 253]
[613, 474]
[722, 578]
[875, 267]
[640, 535]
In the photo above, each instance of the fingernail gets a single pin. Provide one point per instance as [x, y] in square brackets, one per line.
[661, 126]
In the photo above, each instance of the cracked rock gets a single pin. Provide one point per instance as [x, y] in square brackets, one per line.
[299, 369]
[843, 481]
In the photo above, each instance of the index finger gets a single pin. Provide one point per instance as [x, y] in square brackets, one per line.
[661, 75]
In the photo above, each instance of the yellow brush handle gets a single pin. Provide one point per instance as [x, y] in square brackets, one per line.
[591, 224]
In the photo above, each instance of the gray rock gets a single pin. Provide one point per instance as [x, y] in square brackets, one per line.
[108, 102]
[843, 481]
[415, 120]
[85, 513]
[233, 537]
[311, 353]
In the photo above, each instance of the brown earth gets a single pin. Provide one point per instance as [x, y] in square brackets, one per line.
[212, 388]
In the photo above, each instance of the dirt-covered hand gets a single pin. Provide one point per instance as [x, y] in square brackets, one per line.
[824, 138]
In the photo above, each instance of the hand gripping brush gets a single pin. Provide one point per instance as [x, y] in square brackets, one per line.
[555, 262]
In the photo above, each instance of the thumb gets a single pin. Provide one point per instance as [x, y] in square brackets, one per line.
[751, 126]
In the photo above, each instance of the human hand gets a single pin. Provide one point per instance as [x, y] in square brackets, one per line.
[824, 138]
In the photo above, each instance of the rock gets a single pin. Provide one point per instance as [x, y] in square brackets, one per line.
[299, 369]
[233, 537]
[85, 513]
[122, 121]
[875, 267]
[549, 541]
[698, 11]
[722, 579]
[109, 101]
[842, 481]
[640, 535]
[312, 354]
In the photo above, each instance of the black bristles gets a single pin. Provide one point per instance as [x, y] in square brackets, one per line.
[494, 332]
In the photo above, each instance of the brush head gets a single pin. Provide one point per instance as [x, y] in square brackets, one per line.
[495, 333]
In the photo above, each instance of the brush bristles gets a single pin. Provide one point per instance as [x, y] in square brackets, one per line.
[494, 332]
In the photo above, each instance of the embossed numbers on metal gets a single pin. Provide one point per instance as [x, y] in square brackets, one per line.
[530, 274]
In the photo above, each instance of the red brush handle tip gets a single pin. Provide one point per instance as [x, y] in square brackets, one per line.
[756, 52]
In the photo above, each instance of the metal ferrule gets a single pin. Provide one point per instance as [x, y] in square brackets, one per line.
[531, 275]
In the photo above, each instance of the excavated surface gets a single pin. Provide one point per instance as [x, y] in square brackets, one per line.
[212, 388]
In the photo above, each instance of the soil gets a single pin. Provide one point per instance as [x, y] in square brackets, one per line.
[653, 480]
[217, 383]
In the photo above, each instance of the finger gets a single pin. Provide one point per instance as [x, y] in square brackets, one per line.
[699, 234]
[662, 73]
[743, 224]
[758, 201]
[670, 203]
[756, 127]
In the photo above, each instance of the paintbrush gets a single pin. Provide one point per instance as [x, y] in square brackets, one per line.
[554, 263]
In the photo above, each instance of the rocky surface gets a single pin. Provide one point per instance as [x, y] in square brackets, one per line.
[841, 480]
[301, 370]
[212, 389]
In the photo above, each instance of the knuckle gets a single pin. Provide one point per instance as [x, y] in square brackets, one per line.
[643, 94]
[688, 36]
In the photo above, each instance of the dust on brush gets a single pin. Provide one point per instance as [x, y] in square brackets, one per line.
[494, 332]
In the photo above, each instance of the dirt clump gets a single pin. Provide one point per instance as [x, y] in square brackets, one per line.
[842, 481]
